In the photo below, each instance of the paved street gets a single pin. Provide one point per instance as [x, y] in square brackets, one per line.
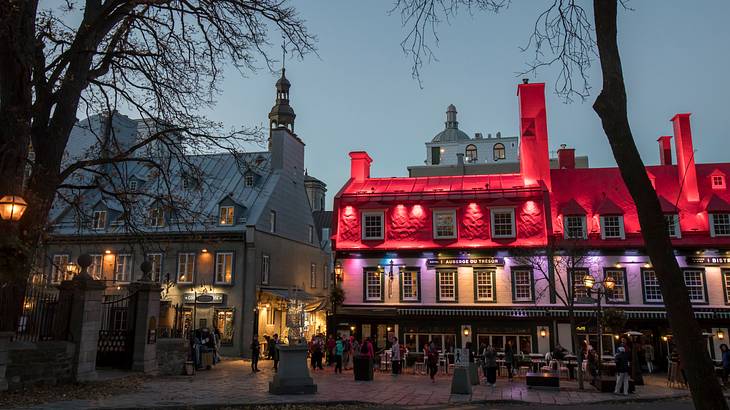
[230, 383]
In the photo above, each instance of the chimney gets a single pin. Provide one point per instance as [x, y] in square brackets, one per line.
[566, 157]
[534, 157]
[685, 157]
[360, 165]
[665, 149]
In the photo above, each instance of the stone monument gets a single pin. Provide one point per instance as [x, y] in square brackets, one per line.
[293, 376]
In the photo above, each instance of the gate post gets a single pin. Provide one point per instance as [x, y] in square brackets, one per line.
[146, 314]
[84, 295]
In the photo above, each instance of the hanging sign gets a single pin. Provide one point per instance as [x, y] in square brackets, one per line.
[191, 297]
[708, 260]
[488, 260]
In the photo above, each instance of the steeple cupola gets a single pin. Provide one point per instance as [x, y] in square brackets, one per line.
[451, 117]
[282, 114]
[451, 133]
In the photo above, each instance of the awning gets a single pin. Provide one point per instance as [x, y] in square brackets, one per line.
[284, 293]
[550, 312]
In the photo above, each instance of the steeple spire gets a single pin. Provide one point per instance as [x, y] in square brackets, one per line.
[451, 117]
[282, 114]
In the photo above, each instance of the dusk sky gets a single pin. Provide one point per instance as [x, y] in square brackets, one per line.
[358, 94]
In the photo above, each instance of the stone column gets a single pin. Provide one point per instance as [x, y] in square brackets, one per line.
[4, 346]
[146, 315]
[83, 297]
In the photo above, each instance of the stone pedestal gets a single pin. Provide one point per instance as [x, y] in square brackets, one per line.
[83, 296]
[4, 346]
[460, 383]
[474, 374]
[293, 375]
[146, 315]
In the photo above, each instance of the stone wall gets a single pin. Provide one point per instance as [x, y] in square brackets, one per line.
[31, 363]
[171, 356]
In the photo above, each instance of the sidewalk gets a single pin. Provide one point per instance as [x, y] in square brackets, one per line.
[232, 383]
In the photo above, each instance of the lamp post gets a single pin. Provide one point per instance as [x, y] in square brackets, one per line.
[600, 288]
[12, 207]
[338, 272]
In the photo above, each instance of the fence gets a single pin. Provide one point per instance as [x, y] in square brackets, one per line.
[43, 315]
[116, 333]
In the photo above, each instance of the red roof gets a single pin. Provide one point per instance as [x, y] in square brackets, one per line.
[715, 204]
[572, 208]
[667, 207]
[608, 207]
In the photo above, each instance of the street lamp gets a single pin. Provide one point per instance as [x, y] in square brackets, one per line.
[601, 289]
[338, 271]
[12, 207]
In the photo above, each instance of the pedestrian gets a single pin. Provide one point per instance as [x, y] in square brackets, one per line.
[490, 365]
[725, 362]
[367, 348]
[395, 356]
[649, 356]
[592, 365]
[255, 351]
[509, 358]
[267, 348]
[622, 371]
[339, 349]
[275, 351]
[330, 350]
[432, 358]
[346, 347]
[318, 352]
[355, 350]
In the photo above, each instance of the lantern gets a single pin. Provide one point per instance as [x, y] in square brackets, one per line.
[589, 281]
[12, 207]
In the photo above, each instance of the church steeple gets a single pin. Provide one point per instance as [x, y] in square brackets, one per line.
[282, 114]
[451, 117]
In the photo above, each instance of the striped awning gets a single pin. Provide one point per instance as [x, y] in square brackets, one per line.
[549, 312]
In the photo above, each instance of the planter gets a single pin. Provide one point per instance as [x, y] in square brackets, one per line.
[189, 368]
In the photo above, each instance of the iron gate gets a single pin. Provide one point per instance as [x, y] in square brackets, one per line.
[116, 334]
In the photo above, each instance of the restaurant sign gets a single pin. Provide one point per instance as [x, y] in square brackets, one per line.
[489, 260]
[190, 297]
[708, 260]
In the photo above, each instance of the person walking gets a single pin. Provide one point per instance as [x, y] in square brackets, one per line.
[255, 352]
[354, 350]
[346, 352]
[275, 351]
[649, 356]
[432, 360]
[395, 356]
[509, 358]
[490, 365]
[592, 365]
[339, 349]
[622, 371]
[330, 350]
[725, 362]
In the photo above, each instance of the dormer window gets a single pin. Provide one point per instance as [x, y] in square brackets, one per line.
[99, 220]
[612, 227]
[718, 181]
[574, 227]
[248, 180]
[672, 222]
[444, 224]
[499, 152]
[503, 223]
[372, 225]
[226, 214]
[133, 185]
[156, 217]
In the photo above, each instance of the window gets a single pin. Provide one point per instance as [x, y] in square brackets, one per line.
[265, 268]
[444, 224]
[719, 224]
[270, 315]
[471, 153]
[99, 220]
[313, 275]
[575, 227]
[694, 280]
[726, 284]
[579, 289]
[672, 221]
[185, 267]
[372, 227]
[409, 285]
[522, 285]
[132, 185]
[499, 151]
[225, 215]
[619, 292]
[446, 286]
[96, 269]
[484, 285]
[718, 182]
[522, 344]
[156, 272]
[325, 276]
[224, 323]
[310, 233]
[373, 286]
[123, 268]
[59, 270]
[503, 223]
[224, 268]
[652, 291]
[272, 221]
[248, 180]
[435, 155]
[156, 217]
[612, 227]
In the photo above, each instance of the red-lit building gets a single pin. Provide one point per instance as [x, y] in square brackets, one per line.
[443, 258]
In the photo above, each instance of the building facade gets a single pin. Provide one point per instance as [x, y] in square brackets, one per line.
[243, 245]
[498, 258]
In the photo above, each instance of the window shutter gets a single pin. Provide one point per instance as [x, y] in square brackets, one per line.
[621, 227]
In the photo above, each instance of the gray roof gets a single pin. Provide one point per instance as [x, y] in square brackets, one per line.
[451, 135]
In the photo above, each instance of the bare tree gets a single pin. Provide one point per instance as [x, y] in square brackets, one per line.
[566, 35]
[160, 60]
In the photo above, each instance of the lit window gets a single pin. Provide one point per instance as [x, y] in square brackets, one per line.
[471, 153]
[503, 223]
[652, 291]
[96, 269]
[373, 286]
[224, 323]
[313, 275]
[612, 227]
[310, 233]
[522, 285]
[248, 180]
[409, 285]
[156, 260]
[575, 227]
[99, 220]
[484, 283]
[672, 221]
[726, 283]
[499, 152]
[618, 294]
[123, 268]
[226, 214]
[718, 182]
[695, 283]
[185, 267]
[579, 288]
[447, 286]
[59, 270]
[720, 224]
[265, 269]
[372, 227]
[272, 221]
[224, 268]
[444, 224]
[156, 217]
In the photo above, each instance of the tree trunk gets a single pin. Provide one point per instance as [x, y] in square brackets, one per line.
[611, 108]
[576, 349]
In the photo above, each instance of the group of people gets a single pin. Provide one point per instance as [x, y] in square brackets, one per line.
[272, 353]
[204, 341]
[339, 351]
